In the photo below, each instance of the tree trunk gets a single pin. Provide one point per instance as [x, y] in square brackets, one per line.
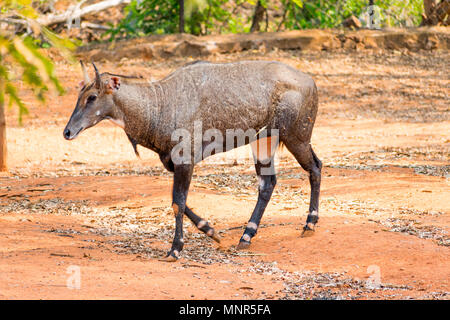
[181, 23]
[429, 6]
[436, 12]
[3, 166]
[257, 17]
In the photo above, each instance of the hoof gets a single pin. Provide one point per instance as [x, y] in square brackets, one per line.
[169, 258]
[307, 232]
[243, 245]
[216, 237]
[213, 235]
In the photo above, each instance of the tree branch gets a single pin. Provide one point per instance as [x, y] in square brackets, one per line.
[72, 13]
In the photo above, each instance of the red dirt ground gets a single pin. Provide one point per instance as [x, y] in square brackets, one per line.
[91, 206]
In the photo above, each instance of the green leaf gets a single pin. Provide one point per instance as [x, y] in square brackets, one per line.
[299, 3]
[11, 91]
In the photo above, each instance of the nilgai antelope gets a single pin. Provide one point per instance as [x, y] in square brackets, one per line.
[265, 102]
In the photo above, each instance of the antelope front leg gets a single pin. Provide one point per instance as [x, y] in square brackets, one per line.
[202, 225]
[181, 180]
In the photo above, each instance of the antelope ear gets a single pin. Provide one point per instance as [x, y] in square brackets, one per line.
[114, 83]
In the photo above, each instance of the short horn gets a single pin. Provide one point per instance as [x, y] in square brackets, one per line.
[85, 74]
[98, 79]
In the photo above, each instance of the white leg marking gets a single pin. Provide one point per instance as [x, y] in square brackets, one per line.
[252, 225]
[210, 232]
[246, 237]
[310, 225]
[201, 224]
[261, 182]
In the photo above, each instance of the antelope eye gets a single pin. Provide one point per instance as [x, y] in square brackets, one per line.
[91, 98]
